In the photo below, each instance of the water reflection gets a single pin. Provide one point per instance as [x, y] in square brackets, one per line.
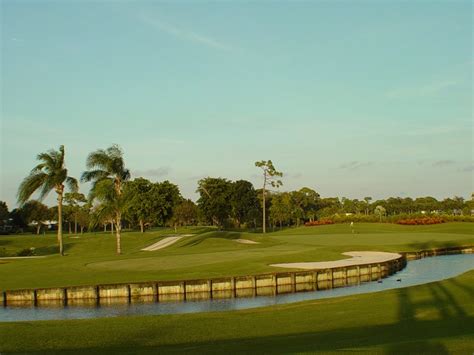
[416, 272]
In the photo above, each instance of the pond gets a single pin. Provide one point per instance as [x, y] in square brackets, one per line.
[417, 272]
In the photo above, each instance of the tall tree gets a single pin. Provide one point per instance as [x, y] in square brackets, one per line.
[214, 200]
[367, 203]
[142, 202]
[35, 213]
[3, 212]
[107, 173]
[281, 208]
[49, 174]
[244, 202]
[170, 197]
[84, 217]
[312, 203]
[185, 214]
[269, 179]
[73, 200]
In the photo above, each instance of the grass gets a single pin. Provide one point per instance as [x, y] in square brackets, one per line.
[435, 318]
[91, 258]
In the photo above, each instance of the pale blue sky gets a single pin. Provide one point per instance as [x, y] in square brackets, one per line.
[351, 98]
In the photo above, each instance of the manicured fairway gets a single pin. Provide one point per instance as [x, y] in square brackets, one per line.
[436, 318]
[91, 259]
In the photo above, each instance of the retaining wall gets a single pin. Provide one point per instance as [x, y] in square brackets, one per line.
[226, 287]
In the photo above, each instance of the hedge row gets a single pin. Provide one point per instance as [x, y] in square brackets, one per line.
[421, 221]
[321, 222]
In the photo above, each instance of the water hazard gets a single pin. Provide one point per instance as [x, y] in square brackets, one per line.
[416, 272]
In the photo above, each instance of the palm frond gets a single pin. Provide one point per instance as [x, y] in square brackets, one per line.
[102, 212]
[94, 175]
[47, 159]
[29, 185]
[48, 185]
[98, 159]
[72, 184]
[103, 190]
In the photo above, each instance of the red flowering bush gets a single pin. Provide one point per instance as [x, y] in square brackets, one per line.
[421, 221]
[321, 222]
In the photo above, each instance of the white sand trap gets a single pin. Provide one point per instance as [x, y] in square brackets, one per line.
[358, 258]
[166, 242]
[246, 241]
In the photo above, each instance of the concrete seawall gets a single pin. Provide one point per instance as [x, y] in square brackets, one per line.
[225, 287]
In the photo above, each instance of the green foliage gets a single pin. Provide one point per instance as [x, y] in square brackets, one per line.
[171, 197]
[244, 202]
[185, 214]
[27, 252]
[48, 175]
[280, 209]
[35, 212]
[150, 203]
[107, 173]
[269, 173]
[214, 200]
[4, 214]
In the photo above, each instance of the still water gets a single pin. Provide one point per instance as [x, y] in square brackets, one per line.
[417, 272]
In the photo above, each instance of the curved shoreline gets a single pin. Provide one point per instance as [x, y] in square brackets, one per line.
[225, 287]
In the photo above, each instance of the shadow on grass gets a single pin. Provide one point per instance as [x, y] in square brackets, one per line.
[53, 249]
[432, 244]
[4, 242]
[400, 338]
[422, 324]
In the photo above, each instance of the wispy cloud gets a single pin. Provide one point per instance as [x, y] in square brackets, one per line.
[186, 35]
[154, 173]
[434, 130]
[354, 165]
[443, 163]
[422, 90]
[467, 169]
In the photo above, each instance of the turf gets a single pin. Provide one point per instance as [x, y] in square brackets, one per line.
[435, 318]
[91, 258]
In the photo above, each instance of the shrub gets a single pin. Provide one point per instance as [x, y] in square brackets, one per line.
[26, 252]
[421, 221]
[321, 222]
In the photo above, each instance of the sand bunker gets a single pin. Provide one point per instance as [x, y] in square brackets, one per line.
[358, 258]
[246, 241]
[166, 242]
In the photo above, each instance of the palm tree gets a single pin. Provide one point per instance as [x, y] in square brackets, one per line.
[107, 173]
[48, 175]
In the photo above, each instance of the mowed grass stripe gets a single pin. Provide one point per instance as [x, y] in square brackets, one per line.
[432, 318]
[91, 259]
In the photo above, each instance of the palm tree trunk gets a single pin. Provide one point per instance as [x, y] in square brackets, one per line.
[75, 224]
[60, 222]
[118, 229]
[141, 226]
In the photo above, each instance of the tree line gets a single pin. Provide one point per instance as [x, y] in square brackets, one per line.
[115, 200]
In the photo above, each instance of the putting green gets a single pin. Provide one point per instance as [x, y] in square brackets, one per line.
[209, 253]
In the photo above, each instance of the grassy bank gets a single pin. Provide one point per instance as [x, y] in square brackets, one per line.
[91, 258]
[426, 319]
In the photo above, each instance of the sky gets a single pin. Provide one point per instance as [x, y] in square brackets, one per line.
[350, 98]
